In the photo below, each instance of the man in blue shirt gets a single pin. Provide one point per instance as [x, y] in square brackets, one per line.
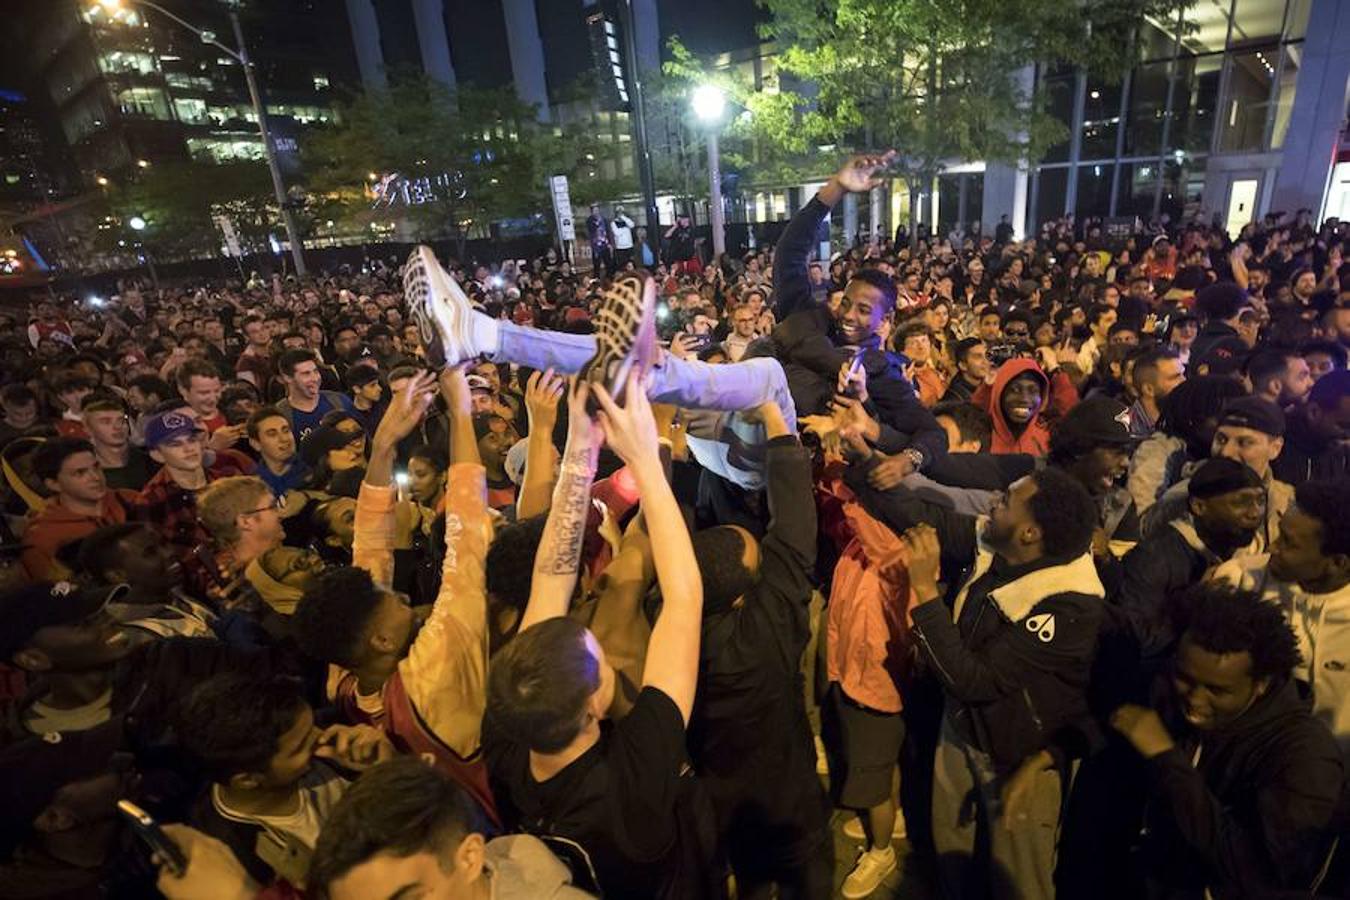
[271, 437]
[305, 404]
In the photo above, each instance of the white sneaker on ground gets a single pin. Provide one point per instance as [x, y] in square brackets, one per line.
[868, 873]
[853, 828]
[443, 313]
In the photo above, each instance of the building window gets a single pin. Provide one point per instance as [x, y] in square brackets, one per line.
[1059, 90]
[1101, 120]
[118, 62]
[1138, 185]
[190, 110]
[225, 149]
[1094, 190]
[143, 101]
[1195, 96]
[1146, 110]
[1050, 194]
[320, 82]
[1250, 77]
[1284, 97]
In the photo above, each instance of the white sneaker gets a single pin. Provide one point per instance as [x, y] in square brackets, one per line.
[443, 313]
[868, 873]
[853, 828]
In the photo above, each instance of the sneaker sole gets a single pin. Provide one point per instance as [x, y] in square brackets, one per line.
[439, 306]
[625, 334]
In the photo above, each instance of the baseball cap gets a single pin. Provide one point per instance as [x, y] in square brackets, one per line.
[1254, 413]
[318, 442]
[1216, 477]
[1096, 420]
[26, 610]
[478, 383]
[168, 426]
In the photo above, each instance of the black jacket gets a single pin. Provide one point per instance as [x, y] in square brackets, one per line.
[1219, 337]
[803, 342]
[1309, 457]
[1251, 818]
[1015, 664]
[748, 736]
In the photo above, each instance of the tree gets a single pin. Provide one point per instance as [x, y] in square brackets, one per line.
[450, 161]
[935, 79]
[178, 200]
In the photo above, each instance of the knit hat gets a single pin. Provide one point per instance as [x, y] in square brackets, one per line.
[1216, 477]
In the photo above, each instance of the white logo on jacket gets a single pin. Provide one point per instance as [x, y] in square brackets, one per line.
[1043, 626]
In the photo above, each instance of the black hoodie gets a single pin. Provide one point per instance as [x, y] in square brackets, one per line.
[1246, 810]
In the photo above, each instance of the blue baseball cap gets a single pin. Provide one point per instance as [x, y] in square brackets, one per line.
[168, 426]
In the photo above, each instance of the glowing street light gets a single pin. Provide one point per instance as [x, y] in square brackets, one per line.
[136, 223]
[709, 102]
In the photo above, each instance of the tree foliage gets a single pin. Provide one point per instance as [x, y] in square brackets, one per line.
[484, 154]
[178, 201]
[935, 79]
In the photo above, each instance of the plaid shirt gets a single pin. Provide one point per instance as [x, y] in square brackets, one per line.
[172, 510]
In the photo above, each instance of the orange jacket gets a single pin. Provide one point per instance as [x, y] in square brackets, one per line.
[55, 526]
[1059, 396]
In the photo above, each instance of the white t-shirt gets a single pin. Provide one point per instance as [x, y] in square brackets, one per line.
[623, 233]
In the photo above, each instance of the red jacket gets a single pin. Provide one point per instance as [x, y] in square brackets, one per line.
[1035, 437]
[55, 526]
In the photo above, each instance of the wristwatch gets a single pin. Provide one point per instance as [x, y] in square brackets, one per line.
[914, 456]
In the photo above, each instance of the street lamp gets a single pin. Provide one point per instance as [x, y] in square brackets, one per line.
[136, 223]
[240, 56]
[709, 103]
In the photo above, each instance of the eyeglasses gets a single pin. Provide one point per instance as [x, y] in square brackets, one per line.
[278, 504]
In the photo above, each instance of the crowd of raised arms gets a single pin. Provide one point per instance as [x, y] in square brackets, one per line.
[966, 567]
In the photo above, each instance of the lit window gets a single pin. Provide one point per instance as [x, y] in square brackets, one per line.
[320, 82]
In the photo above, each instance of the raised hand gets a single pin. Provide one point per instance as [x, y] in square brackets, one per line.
[542, 393]
[407, 409]
[860, 173]
[354, 747]
[630, 430]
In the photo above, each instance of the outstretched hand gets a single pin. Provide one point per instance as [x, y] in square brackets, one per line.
[407, 409]
[542, 393]
[630, 430]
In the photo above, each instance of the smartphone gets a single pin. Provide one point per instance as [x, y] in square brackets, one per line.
[148, 830]
[851, 386]
[208, 560]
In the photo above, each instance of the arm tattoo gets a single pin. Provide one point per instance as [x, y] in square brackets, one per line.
[567, 520]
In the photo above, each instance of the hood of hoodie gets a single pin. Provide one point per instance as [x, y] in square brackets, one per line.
[1002, 378]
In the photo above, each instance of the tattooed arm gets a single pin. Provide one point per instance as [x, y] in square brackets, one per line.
[558, 560]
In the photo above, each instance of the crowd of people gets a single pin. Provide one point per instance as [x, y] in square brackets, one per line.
[672, 580]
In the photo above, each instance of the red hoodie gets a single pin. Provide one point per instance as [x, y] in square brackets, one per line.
[1035, 437]
[55, 526]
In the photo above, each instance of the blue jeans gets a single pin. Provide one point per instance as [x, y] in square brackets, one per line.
[720, 439]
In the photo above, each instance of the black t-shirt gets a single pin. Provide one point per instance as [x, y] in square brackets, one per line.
[628, 803]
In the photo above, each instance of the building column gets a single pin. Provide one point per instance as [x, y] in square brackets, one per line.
[527, 54]
[1315, 122]
[1006, 185]
[366, 38]
[433, 42]
[850, 219]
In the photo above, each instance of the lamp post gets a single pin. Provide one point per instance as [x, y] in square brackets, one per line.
[240, 56]
[709, 103]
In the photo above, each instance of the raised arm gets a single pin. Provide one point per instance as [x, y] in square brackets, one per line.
[542, 393]
[558, 560]
[374, 540]
[672, 656]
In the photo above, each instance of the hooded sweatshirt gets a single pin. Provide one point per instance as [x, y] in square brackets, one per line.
[523, 868]
[1059, 396]
[55, 526]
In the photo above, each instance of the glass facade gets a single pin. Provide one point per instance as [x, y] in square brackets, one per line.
[1218, 80]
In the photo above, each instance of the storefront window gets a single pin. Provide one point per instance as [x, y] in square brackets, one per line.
[1284, 96]
[1251, 74]
[1193, 101]
[1050, 192]
[1094, 190]
[1183, 187]
[1138, 183]
[1059, 99]
[1146, 109]
[1101, 118]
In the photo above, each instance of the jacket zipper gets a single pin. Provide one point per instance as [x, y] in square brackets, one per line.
[1031, 708]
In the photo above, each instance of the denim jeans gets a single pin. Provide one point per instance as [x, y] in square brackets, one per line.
[720, 439]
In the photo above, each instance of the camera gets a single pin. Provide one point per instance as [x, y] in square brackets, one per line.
[1002, 352]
